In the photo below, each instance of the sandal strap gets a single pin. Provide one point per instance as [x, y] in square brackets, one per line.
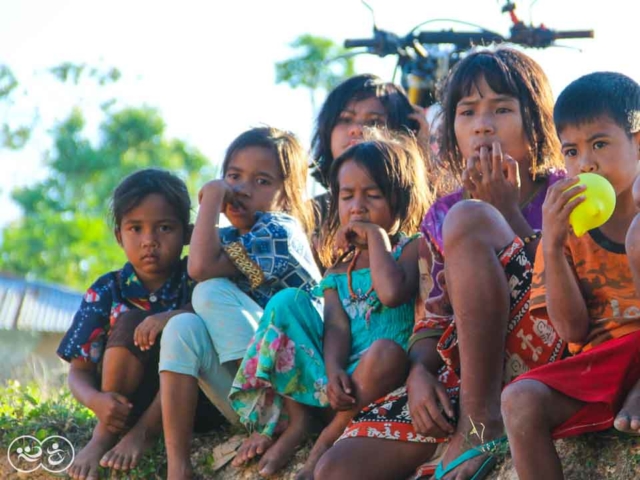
[485, 448]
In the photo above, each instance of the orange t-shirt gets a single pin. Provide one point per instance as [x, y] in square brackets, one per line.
[602, 269]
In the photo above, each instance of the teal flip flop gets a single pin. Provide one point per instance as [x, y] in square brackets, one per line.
[485, 468]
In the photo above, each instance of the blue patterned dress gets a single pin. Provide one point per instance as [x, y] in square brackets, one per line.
[285, 356]
[273, 255]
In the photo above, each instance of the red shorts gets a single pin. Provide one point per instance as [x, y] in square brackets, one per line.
[601, 378]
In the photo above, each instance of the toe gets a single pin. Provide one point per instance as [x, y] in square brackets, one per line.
[93, 474]
[622, 422]
[106, 458]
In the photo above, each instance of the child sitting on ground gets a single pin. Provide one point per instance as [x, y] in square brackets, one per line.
[584, 284]
[299, 360]
[111, 344]
[240, 267]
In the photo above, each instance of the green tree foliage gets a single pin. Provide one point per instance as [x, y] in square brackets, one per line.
[321, 65]
[64, 234]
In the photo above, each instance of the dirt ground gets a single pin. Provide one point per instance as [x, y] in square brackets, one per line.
[603, 456]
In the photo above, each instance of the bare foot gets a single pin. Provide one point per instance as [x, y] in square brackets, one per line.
[466, 437]
[87, 462]
[281, 452]
[128, 451]
[252, 447]
[628, 418]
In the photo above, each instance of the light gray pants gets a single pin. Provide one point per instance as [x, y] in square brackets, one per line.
[202, 344]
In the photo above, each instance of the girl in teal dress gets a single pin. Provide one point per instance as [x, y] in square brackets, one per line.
[296, 360]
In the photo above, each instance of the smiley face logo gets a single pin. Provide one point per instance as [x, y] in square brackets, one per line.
[26, 454]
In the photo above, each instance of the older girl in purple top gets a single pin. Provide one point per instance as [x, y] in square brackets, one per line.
[498, 139]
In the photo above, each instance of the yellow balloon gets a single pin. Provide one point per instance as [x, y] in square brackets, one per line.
[596, 208]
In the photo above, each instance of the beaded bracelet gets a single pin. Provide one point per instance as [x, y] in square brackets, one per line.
[534, 236]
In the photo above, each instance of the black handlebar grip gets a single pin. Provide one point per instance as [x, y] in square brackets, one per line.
[360, 42]
[564, 34]
[462, 39]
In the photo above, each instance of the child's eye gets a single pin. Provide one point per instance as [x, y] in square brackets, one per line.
[374, 122]
[344, 120]
[570, 152]
[135, 228]
[346, 197]
[263, 181]
[375, 196]
[465, 113]
[503, 110]
[166, 228]
[232, 176]
[599, 144]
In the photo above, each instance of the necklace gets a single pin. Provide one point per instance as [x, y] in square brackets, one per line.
[350, 268]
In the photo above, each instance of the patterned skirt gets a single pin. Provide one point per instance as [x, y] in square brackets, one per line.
[530, 342]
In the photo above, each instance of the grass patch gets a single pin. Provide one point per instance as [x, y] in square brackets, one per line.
[26, 409]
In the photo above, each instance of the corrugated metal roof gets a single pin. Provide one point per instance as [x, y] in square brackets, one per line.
[36, 306]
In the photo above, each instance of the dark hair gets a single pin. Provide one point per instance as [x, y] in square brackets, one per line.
[293, 164]
[599, 94]
[359, 87]
[136, 187]
[509, 72]
[396, 166]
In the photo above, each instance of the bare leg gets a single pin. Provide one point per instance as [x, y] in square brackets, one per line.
[126, 454]
[373, 459]
[473, 234]
[531, 411]
[122, 373]
[628, 419]
[382, 369]
[285, 446]
[179, 394]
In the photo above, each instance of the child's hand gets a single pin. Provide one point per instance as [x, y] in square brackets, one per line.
[556, 210]
[340, 391]
[493, 178]
[146, 333]
[427, 397]
[113, 410]
[218, 188]
[354, 234]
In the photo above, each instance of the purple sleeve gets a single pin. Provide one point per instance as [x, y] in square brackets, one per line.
[432, 224]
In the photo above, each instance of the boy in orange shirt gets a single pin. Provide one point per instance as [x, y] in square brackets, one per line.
[584, 284]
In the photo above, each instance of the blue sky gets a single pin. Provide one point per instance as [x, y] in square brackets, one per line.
[209, 66]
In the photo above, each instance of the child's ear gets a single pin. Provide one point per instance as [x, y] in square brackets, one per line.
[116, 232]
[636, 137]
[187, 234]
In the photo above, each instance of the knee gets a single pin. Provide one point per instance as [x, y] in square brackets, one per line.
[386, 355]
[330, 468]
[182, 330]
[384, 363]
[522, 404]
[205, 293]
[472, 219]
[288, 297]
[129, 320]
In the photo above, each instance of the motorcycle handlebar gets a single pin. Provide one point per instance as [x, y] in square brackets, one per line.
[536, 37]
[461, 39]
[360, 42]
[564, 34]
